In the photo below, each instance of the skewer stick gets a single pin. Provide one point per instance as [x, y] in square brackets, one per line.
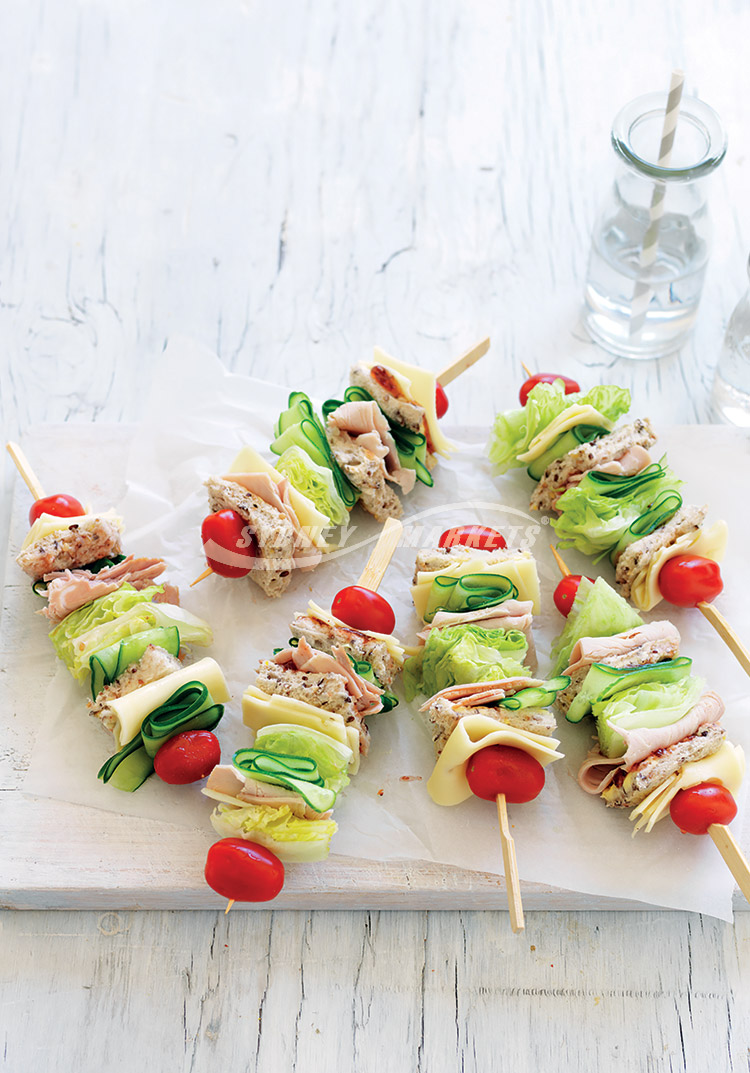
[205, 574]
[515, 906]
[727, 634]
[23, 467]
[734, 858]
[460, 365]
[381, 555]
[527, 370]
[560, 562]
[230, 903]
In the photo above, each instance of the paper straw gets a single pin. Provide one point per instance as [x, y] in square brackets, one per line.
[643, 290]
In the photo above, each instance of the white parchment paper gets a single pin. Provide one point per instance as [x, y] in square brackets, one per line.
[197, 417]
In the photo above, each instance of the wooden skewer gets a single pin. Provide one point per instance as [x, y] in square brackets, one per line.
[734, 858]
[381, 555]
[727, 634]
[23, 467]
[460, 365]
[205, 574]
[560, 562]
[230, 903]
[515, 906]
[527, 370]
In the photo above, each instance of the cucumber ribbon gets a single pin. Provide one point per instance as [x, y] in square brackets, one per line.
[410, 445]
[468, 593]
[536, 696]
[108, 663]
[298, 773]
[665, 506]
[617, 486]
[191, 707]
[300, 426]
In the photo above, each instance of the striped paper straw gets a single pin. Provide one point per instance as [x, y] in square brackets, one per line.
[642, 293]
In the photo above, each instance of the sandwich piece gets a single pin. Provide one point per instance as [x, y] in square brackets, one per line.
[636, 558]
[460, 579]
[388, 393]
[154, 664]
[54, 544]
[325, 632]
[623, 452]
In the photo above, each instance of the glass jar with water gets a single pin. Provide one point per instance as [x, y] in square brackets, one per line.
[730, 398]
[670, 282]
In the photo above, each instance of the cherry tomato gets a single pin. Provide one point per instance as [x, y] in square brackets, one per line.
[363, 609]
[229, 546]
[565, 593]
[441, 401]
[243, 870]
[687, 580]
[187, 757]
[473, 536]
[695, 809]
[546, 378]
[502, 769]
[61, 505]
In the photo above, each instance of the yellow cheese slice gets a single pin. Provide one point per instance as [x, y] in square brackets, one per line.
[447, 784]
[313, 521]
[574, 415]
[259, 709]
[710, 543]
[418, 385]
[49, 523]
[521, 570]
[394, 646]
[132, 709]
[726, 766]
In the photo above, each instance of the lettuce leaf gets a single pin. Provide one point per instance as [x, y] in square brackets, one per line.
[654, 704]
[288, 836]
[514, 430]
[597, 611]
[332, 757]
[314, 481]
[462, 654]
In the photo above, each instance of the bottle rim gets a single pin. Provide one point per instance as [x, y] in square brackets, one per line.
[692, 110]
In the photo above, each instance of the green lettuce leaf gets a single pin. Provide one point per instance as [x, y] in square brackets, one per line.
[655, 704]
[597, 611]
[514, 430]
[314, 481]
[288, 836]
[463, 654]
[332, 757]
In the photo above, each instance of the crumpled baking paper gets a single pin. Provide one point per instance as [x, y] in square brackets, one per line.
[197, 416]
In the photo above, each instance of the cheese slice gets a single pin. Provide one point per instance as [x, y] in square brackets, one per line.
[313, 521]
[574, 415]
[46, 524]
[710, 543]
[132, 709]
[725, 766]
[260, 709]
[394, 646]
[448, 784]
[521, 570]
[418, 385]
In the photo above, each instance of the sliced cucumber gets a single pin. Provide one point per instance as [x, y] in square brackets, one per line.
[603, 682]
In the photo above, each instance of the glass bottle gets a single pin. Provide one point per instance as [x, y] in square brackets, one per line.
[730, 398]
[673, 281]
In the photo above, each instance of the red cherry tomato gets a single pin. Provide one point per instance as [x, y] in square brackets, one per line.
[473, 536]
[687, 580]
[441, 401]
[502, 769]
[187, 757]
[363, 609]
[229, 546]
[695, 809]
[243, 870]
[546, 378]
[565, 593]
[61, 505]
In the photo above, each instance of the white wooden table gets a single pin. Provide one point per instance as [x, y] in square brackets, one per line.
[289, 184]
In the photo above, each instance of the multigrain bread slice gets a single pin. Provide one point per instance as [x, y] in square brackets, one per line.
[636, 558]
[442, 717]
[66, 549]
[274, 533]
[562, 472]
[325, 638]
[651, 652]
[366, 472]
[630, 788]
[155, 663]
[429, 560]
[387, 394]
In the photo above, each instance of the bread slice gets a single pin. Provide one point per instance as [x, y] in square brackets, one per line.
[636, 558]
[366, 472]
[442, 716]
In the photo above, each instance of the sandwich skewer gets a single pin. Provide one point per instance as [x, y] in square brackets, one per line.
[459, 365]
[720, 834]
[25, 470]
